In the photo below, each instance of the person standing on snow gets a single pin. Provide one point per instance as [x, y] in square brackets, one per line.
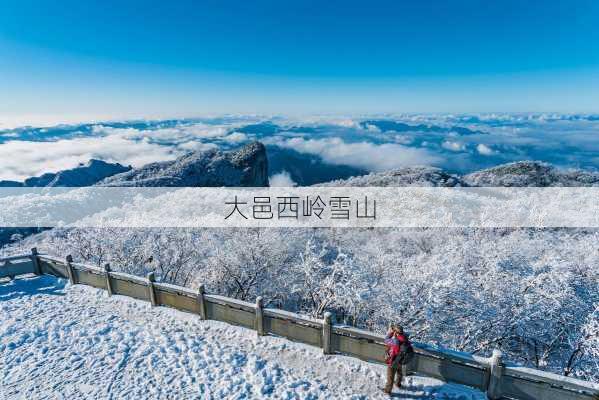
[399, 352]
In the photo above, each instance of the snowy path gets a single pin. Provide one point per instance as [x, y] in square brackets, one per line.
[62, 341]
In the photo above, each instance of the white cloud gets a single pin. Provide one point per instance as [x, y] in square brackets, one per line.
[403, 139]
[21, 159]
[206, 131]
[484, 149]
[196, 146]
[453, 146]
[176, 134]
[282, 179]
[345, 122]
[236, 137]
[372, 128]
[370, 156]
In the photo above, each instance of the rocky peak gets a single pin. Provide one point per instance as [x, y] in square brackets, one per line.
[247, 167]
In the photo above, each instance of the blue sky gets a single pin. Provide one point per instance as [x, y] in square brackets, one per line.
[184, 58]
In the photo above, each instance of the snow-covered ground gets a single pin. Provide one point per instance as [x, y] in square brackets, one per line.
[62, 341]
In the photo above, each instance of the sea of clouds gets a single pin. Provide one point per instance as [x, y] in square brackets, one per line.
[458, 143]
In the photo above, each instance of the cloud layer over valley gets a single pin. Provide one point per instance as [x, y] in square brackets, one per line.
[460, 143]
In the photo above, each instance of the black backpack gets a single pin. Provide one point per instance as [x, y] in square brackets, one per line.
[406, 353]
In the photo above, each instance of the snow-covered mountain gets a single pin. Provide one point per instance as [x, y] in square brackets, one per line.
[247, 166]
[83, 175]
[518, 174]
[408, 176]
[531, 173]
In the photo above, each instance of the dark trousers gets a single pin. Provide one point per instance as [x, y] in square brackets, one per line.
[393, 374]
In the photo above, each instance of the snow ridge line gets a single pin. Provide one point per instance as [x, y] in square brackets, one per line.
[492, 375]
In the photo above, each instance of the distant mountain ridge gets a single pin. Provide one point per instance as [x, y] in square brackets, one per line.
[83, 175]
[531, 174]
[249, 166]
[516, 174]
[407, 176]
[386, 125]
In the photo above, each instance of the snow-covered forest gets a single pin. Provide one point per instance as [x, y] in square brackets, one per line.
[532, 293]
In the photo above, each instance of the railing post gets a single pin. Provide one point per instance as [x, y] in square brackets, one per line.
[202, 302]
[152, 293]
[326, 333]
[36, 262]
[108, 282]
[70, 272]
[259, 322]
[496, 370]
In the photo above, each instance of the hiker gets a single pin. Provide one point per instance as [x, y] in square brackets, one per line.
[399, 352]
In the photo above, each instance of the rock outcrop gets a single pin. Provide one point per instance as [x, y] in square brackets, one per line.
[246, 167]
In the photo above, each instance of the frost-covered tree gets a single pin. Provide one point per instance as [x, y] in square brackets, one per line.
[244, 263]
[324, 279]
[584, 358]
